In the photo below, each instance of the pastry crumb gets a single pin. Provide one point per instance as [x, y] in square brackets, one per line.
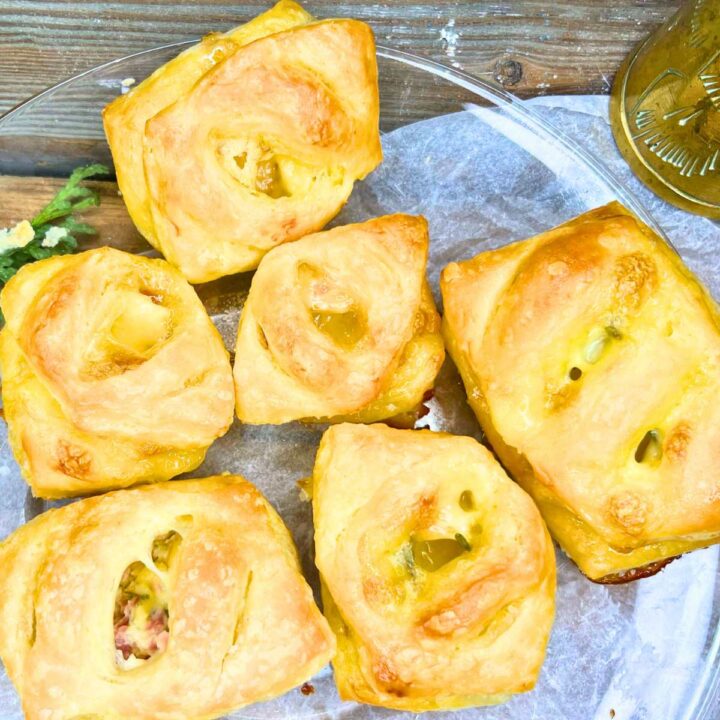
[304, 486]
[126, 84]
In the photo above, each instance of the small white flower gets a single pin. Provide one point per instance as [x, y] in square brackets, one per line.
[16, 237]
[53, 236]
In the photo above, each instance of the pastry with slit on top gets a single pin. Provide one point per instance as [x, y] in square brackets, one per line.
[249, 139]
[437, 571]
[182, 599]
[113, 373]
[591, 356]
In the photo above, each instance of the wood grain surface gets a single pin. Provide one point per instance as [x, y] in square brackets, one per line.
[24, 197]
[530, 46]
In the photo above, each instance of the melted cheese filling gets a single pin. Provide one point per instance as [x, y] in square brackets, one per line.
[141, 618]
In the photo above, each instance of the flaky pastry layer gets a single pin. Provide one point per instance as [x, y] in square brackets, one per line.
[250, 139]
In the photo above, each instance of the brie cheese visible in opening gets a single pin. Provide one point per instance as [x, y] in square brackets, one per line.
[141, 325]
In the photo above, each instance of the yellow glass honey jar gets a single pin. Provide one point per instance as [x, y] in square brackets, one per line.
[665, 109]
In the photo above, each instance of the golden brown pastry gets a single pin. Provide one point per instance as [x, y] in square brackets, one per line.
[340, 324]
[112, 373]
[248, 140]
[125, 118]
[177, 600]
[438, 574]
[591, 356]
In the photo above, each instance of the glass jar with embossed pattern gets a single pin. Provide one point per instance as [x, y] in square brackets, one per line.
[665, 109]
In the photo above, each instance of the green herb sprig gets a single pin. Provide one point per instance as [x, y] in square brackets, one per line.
[73, 198]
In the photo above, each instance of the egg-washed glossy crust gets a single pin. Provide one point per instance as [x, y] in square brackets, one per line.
[340, 325]
[113, 374]
[591, 356]
[243, 626]
[250, 139]
[470, 629]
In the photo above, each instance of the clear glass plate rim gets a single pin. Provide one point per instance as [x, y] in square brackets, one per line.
[495, 94]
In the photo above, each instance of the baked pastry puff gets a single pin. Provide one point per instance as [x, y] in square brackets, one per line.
[438, 574]
[340, 324]
[591, 356]
[125, 118]
[248, 140]
[112, 373]
[176, 600]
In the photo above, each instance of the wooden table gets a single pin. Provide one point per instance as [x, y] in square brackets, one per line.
[530, 46]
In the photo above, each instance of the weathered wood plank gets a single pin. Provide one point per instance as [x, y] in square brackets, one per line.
[532, 46]
[22, 198]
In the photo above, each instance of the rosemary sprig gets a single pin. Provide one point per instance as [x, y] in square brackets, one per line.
[72, 199]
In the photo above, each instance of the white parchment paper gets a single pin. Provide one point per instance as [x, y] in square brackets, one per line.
[645, 650]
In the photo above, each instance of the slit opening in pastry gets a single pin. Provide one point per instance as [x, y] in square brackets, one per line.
[141, 617]
[268, 179]
[133, 336]
[599, 342]
[242, 614]
[333, 310]
[262, 338]
[143, 323]
[649, 450]
[252, 162]
[431, 555]
[466, 501]
[164, 548]
[346, 329]
[33, 629]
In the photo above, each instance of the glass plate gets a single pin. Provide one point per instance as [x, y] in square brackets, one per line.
[485, 170]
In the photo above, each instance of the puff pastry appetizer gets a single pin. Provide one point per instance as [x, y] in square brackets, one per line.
[438, 575]
[177, 600]
[248, 140]
[112, 373]
[591, 356]
[340, 324]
